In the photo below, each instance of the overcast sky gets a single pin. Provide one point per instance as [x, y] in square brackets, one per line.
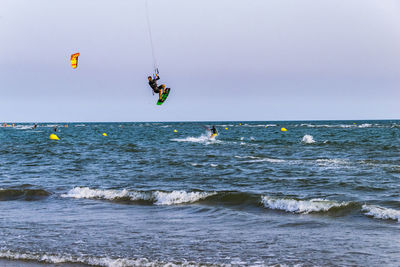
[224, 60]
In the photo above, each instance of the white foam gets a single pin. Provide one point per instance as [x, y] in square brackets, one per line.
[247, 157]
[258, 125]
[213, 165]
[259, 159]
[157, 197]
[308, 139]
[204, 139]
[179, 197]
[300, 206]
[330, 125]
[95, 261]
[86, 192]
[330, 162]
[365, 125]
[23, 127]
[381, 213]
[265, 160]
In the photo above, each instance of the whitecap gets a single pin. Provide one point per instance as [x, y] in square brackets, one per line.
[157, 197]
[108, 194]
[308, 139]
[330, 162]
[381, 213]
[179, 197]
[365, 125]
[87, 260]
[204, 139]
[300, 206]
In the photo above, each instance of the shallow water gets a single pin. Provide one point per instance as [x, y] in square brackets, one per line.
[324, 193]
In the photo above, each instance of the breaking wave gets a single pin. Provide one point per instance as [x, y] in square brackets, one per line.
[153, 197]
[88, 260]
[381, 213]
[301, 206]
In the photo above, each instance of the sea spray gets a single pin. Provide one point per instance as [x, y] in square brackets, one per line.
[308, 139]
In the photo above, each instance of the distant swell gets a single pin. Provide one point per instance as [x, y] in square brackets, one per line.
[22, 194]
[301, 206]
[153, 197]
[381, 213]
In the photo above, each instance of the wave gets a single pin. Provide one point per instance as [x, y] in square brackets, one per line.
[381, 213]
[23, 194]
[259, 125]
[364, 125]
[23, 127]
[308, 139]
[88, 260]
[229, 198]
[301, 206]
[151, 197]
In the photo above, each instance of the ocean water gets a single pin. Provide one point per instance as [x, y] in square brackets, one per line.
[324, 193]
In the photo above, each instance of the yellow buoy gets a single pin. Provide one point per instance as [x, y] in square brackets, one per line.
[226, 128]
[104, 134]
[54, 137]
[66, 125]
[175, 131]
[283, 130]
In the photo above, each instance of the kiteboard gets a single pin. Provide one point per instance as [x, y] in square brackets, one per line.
[212, 136]
[163, 96]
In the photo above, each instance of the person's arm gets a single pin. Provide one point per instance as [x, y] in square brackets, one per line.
[157, 77]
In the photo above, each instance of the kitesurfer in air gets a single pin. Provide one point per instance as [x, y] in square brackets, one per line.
[156, 89]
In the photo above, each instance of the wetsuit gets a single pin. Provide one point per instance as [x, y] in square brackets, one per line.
[213, 130]
[153, 85]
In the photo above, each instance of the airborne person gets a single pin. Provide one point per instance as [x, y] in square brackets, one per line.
[156, 89]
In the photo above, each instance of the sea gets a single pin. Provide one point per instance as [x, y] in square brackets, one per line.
[321, 193]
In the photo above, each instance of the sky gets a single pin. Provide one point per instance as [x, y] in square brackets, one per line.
[235, 60]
